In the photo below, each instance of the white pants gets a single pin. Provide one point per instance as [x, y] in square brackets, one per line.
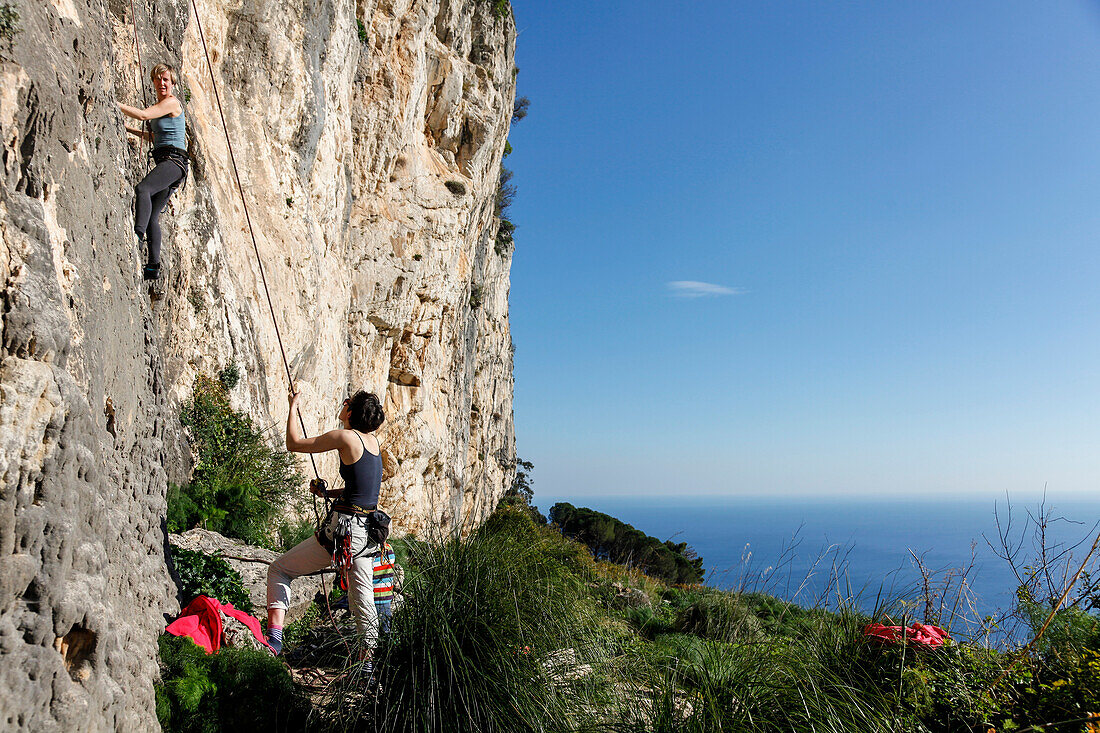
[309, 556]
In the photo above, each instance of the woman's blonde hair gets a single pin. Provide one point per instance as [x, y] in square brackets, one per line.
[160, 69]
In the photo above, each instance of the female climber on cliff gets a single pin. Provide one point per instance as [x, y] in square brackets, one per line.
[344, 537]
[168, 125]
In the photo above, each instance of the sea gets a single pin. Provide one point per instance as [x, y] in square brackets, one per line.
[865, 552]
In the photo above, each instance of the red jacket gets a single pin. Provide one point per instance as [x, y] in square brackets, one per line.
[201, 620]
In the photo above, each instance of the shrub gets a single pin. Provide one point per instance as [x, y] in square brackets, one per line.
[503, 243]
[521, 493]
[202, 574]
[506, 192]
[477, 296]
[235, 688]
[9, 21]
[519, 108]
[458, 188]
[720, 616]
[617, 541]
[241, 482]
[229, 375]
[363, 37]
[1065, 691]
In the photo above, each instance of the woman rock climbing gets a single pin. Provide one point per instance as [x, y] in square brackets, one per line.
[168, 125]
[344, 538]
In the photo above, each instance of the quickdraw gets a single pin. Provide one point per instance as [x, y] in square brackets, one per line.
[342, 560]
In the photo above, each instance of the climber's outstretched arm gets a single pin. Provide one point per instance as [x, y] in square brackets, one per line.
[166, 106]
[332, 440]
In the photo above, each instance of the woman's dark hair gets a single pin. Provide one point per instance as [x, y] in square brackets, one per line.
[365, 412]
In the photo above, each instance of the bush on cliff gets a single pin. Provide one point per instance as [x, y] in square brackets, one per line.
[241, 482]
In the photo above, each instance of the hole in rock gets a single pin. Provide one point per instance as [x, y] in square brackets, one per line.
[76, 648]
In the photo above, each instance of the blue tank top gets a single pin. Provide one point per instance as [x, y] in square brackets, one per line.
[169, 130]
[362, 480]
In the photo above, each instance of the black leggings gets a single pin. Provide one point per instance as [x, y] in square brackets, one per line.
[152, 195]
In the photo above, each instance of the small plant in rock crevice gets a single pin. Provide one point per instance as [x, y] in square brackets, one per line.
[9, 22]
[194, 297]
[504, 241]
[477, 296]
[229, 375]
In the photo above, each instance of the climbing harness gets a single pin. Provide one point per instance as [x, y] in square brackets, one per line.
[177, 156]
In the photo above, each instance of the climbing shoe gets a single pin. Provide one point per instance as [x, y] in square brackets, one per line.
[151, 272]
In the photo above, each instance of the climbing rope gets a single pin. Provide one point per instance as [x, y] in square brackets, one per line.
[141, 81]
[267, 294]
[248, 220]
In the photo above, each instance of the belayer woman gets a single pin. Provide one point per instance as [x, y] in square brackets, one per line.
[344, 538]
[166, 119]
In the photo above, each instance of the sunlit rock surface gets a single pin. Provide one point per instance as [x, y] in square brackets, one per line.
[369, 137]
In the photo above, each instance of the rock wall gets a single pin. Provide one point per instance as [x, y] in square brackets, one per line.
[369, 136]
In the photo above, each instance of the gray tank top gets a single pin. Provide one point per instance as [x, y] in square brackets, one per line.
[170, 131]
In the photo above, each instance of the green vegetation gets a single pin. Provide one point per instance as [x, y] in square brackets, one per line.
[195, 298]
[9, 22]
[229, 375]
[617, 541]
[477, 295]
[235, 689]
[202, 574]
[504, 240]
[363, 37]
[242, 483]
[466, 650]
[518, 627]
[521, 493]
[519, 108]
[506, 190]
[458, 188]
[501, 8]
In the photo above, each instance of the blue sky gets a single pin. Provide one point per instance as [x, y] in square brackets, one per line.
[903, 201]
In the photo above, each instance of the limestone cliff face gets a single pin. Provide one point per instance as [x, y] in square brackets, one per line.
[369, 136]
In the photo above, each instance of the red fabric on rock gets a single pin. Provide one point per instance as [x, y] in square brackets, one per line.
[201, 621]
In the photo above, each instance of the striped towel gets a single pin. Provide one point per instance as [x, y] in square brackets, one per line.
[385, 564]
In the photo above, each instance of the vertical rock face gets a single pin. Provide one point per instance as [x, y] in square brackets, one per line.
[369, 137]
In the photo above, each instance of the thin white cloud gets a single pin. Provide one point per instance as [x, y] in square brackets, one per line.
[696, 289]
